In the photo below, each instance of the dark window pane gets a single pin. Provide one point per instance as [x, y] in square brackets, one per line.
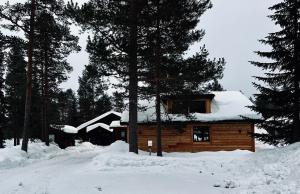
[179, 107]
[200, 134]
[197, 107]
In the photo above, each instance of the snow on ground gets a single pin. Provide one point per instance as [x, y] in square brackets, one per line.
[89, 169]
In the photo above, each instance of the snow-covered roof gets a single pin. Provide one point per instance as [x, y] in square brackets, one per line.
[66, 128]
[116, 124]
[97, 119]
[226, 105]
[94, 126]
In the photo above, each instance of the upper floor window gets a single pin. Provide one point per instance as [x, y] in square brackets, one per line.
[197, 106]
[180, 107]
[186, 107]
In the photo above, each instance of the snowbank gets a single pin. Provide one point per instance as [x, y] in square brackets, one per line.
[87, 168]
[11, 156]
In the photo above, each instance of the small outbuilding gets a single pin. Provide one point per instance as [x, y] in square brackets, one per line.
[98, 131]
[102, 130]
[63, 135]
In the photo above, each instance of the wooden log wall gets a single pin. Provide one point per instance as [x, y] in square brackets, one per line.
[225, 136]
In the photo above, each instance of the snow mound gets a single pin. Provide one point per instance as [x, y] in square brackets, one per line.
[271, 170]
[118, 147]
[11, 156]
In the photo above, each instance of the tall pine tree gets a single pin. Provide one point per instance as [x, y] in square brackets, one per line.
[91, 94]
[54, 43]
[114, 47]
[48, 43]
[22, 17]
[15, 85]
[67, 108]
[169, 27]
[162, 31]
[278, 100]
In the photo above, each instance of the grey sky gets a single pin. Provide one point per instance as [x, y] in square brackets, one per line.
[232, 27]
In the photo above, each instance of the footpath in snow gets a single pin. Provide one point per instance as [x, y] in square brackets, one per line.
[89, 169]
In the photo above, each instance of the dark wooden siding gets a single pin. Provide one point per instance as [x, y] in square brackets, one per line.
[223, 136]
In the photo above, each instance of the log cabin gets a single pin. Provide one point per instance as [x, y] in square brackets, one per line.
[199, 122]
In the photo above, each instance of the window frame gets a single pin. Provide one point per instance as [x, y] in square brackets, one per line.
[201, 142]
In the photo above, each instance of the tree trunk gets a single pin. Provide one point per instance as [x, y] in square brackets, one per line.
[157, 72]
[15, 128]
[26, 129]
[296, 130]
[46, 100]
[43, 102]
[158, 120]
[133, 80]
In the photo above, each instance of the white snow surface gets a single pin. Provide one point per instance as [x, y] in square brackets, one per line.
[69, 129]
[102, 125]
[116, 124]
[89, 169]
[226, 105]
[97, 119]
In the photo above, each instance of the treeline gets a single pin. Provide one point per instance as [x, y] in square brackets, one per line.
[142, 44]
[62, 107]
[53, 43]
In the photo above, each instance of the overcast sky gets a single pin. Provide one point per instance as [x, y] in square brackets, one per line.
[232, 27]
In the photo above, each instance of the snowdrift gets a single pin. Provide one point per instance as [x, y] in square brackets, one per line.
[266, 171]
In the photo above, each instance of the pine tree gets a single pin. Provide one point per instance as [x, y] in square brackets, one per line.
[278, 100]
[103, 104]
[118, 101]
[22, 16]
[151, 37]
[91, 97]
[48, 53]
[114, 46]
[55, 43]
[67, 108]
[170, 29]
[15, 87]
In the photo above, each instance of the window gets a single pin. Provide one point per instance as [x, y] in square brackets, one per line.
[197, 106]
[179, 107]
[186, 106]
[200, 134]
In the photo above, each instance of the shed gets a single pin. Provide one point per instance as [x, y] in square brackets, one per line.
[97, 130]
